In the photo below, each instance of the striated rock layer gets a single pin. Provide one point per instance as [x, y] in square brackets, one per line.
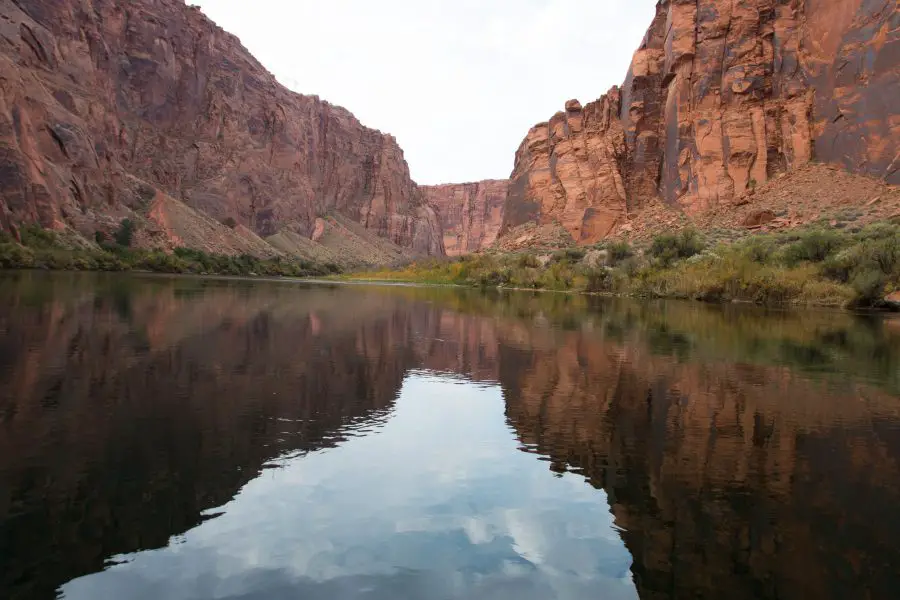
[106, 104]
[470, 213]
[721, 96]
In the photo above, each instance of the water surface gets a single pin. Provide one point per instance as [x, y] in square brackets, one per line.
[197, 438]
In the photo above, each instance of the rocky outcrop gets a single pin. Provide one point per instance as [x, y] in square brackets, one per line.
[567, 171]
[104, 105]
[720, 96]
[470, 213]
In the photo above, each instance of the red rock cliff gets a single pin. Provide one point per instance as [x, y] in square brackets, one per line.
[470, 213]
[102, 103]
[720, 97]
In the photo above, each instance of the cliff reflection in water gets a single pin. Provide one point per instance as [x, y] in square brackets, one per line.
[744, 454]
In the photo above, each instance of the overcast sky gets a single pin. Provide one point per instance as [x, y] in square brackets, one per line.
[457, 82]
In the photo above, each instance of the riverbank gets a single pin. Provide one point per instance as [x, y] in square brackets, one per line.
[816, 266]
[43, 249]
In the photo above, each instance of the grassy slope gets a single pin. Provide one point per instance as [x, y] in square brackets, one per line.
[815, 266]
[42, 249]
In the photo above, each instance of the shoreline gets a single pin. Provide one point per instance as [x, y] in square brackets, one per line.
[350, 281]
[822, 267]
[819, 266]
[886, 310]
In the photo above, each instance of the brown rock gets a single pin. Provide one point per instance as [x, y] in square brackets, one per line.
[893, 299]
[566, 172]
[103, 108]
[721, 97]
[758, 218]
[470, 213]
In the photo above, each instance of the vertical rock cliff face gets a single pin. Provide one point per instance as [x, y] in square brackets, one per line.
[721, 96]
[470, 213]
[104, 104]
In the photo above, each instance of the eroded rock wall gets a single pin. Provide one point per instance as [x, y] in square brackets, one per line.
[470, 213]
[104, 103]
[721, 96]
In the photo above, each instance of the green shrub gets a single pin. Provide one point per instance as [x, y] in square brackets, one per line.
[879, 231]
[814, 246]
[619, 251]
[885, 253]
[669, 248]
[35, 236]
[14, 256]
[113, 257]
[872, 253]
[869, 287]
[528, 261]
[525, 277]
[759, 249]
[125, 234]
[841, 266]
[54, 259]
[574, 254]
[599, 280]
[229, 222]
[631, 267]
[558, 276]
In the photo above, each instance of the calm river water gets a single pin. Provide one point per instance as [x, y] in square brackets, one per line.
[179, 438]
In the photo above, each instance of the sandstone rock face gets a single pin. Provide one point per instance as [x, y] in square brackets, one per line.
[470, 213]
[720, 97]
[566, 171]
[103, 104]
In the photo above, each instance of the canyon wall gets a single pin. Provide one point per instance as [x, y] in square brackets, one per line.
[109, 108]
[470, 213]
[721, 96]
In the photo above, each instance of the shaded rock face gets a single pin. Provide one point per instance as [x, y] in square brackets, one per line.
[470, 213]
[105, 103]
[720, 96]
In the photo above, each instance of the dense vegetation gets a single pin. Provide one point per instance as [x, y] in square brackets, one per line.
[816, 266]
[43, 249]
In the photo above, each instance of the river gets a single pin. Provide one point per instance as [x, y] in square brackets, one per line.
[188, 438]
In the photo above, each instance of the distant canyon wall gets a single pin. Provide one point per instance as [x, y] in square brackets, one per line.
[106, 107]
[470, 213]
[721, 96]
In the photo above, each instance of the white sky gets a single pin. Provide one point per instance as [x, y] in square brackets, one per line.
[457, 82]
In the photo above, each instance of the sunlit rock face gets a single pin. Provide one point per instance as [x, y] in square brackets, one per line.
[110, 107]
[720, 97]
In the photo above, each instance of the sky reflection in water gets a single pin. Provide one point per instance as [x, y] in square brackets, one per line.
[437, 503]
